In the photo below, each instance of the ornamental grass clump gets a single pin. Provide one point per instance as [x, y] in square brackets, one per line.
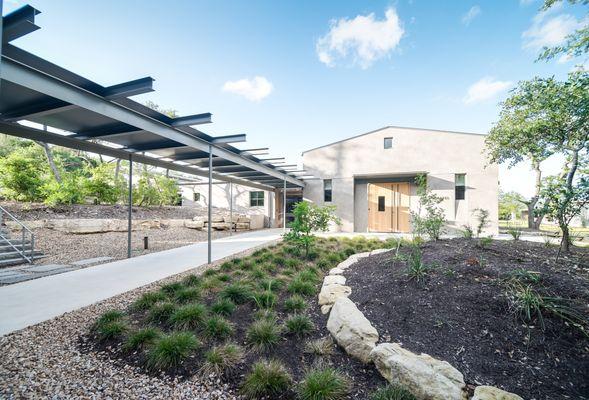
[141, 339]
[265, 299]
[392, 392]
[267, 379]
[323, 383]
[223, 307]
[263, 334]
[237, 292]
[171, 350]
[160, 313]
[188, 295]
[295, 303]
[302, 287]
[220, 359]
[320, 347]
[416, 268]
[171, 288]
[299, 325]
[147, 300]
[217, 327]
[272, 284]
[110, 325]
[192, 280]
[189, 317]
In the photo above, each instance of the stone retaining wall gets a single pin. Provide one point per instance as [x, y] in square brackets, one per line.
[424, 376]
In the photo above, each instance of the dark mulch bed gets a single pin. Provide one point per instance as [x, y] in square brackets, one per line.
[364, 378]
[460, 314]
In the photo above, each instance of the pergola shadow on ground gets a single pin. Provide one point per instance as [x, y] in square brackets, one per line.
[44, 102]
[28, 303]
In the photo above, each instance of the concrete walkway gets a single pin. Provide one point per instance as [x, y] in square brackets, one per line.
[28, 303]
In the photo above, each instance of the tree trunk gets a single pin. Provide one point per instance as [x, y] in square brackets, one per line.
[117, 169]
[564, 224]
[49, 155]
[535, 221]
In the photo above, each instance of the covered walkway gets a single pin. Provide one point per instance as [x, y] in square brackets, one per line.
[31, 302]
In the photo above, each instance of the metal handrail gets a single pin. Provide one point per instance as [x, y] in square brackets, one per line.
[30, 259]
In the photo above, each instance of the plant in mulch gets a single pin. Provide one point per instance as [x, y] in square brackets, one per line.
[147, 300]
[220, 359]
[263, 334]
[169, 351]
[217, 327]
[110, 325]
[524, 275]
[227, 266]
[302, 287]
[171, 288]
[323, 383]
[267, 378]
[299, 325]
[266, 314]
[192, 280]
[321, 347]
[188, 317]
[467, 232]
[265, 299]
[515, 233]
[141, 339]
[295, 303]
[272, 284]
[160, 313]
[224, 277]
[237, 292]
[188, 295]
[210, 272]
[416, 268]
[223, 307]
[392, 392]
[429, 218]
[484, 242]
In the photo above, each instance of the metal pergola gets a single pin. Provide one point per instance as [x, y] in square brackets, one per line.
[103, 120]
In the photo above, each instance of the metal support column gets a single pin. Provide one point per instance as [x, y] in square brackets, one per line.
[210, 200]
[284, 206]
[130, 206]
[231, 208]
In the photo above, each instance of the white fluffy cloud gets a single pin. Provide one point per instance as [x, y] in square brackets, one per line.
[550, 31]
[254, 89]
[471, 14]
[485, 89]
[361, 40]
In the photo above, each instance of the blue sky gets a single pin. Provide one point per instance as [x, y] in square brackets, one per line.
[298, 74]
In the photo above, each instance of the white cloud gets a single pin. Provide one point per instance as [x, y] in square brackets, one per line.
[485, 89]
[474, 12]
[364, 39]
[550, 31]
[254, 89]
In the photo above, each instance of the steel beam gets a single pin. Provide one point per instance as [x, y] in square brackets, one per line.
[196, 119]
[19, 23]
[37, 109]
[210, 206]
[229, 139]
[130, 208]
[159, 145]
[284, 206]
[127, 89]
[103, 131]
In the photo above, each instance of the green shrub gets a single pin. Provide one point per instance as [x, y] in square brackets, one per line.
[430, 217]
[223, 307]
[515, 233]
[299, 286]
[299, 325]
[266, 379]
[65, 192]
[484, 242]
[22, 175]
[237, 292]
[110, 316]
[323, 384]
[217, 327]
[188, 295]
[335, 258]
[224, 277]
[147, 300]
[171, 288]
[392, 392]
[141, 339]
[263, 334]
[110, 325]
[265, 299]
[161, 312]
[169, 351]
[295, 303]
[192, 280]
[323, 263]
[188, 317]
[219, 359]
[309, 218]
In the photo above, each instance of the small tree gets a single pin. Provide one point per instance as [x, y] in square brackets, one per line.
[482, 217]
[429, 218]
[510, 205]
[309, 218]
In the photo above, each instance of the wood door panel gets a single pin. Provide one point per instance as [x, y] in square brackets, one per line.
[388, 207]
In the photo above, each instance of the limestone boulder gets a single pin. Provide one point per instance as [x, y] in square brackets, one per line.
[336, 271]
[351, 329]
[493, 393]
[257, 221]
[424, 376]
[194, 224]
[334, 280]
[330, 293]
[378, 251]
[348, 262]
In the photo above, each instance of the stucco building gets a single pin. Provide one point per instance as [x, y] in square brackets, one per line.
[370, 178]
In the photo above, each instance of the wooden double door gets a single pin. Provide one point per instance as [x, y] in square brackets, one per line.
[388, 207]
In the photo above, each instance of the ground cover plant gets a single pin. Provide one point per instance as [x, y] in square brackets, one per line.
[258, 329]
[504, 313]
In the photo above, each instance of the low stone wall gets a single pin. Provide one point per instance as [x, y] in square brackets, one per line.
[424, 376]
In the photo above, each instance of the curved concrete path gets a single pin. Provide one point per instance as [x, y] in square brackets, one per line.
[28, 303]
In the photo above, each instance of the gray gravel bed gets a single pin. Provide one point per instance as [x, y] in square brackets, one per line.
[43, 361]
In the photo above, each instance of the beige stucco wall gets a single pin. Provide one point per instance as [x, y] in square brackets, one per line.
[440, 154]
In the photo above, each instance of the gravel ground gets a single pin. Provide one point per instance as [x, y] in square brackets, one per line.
[65, 248]
[43, 361]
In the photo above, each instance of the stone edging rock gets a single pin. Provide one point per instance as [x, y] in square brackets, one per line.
[426, 377]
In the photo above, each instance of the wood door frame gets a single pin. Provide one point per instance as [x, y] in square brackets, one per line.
[395, 206]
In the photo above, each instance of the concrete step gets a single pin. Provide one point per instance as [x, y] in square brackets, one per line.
[8, 255]
[12, 261]
[6, 247]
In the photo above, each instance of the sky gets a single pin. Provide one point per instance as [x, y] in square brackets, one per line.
[294, 75]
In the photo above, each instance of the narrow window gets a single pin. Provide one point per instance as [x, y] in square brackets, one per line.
[327, 190]
[256, 199]
[196, 196]
[380, 203]
[388, 143]
[459, 186]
